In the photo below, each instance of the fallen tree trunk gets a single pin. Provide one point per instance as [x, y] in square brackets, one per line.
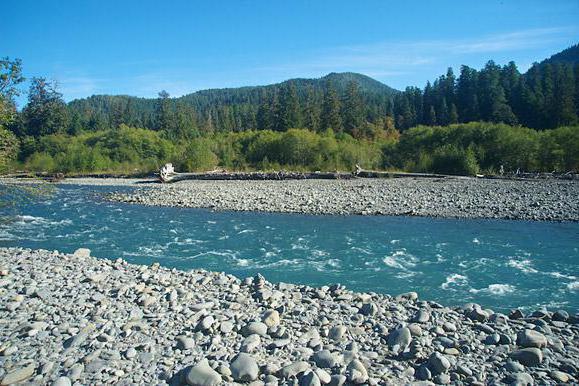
[168, 174]
[382, 174]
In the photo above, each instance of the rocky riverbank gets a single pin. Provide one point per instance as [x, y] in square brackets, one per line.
[541, 200]
[74, 319]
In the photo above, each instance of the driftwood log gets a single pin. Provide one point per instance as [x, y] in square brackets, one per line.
[168, 174]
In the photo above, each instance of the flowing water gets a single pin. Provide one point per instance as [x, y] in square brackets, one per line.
[499, 264]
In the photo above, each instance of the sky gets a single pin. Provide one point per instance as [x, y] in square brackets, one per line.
[142, 47]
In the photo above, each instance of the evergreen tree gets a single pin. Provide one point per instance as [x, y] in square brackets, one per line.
[165, 115]
[289, 107]
[565, 113]
[312, 110]
[431, 117]
[453, 115]
[331, 118]
[352, 113]
[467, 98]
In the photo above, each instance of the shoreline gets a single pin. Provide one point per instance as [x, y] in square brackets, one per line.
[461, 198]
[452, 198]
[98, 320]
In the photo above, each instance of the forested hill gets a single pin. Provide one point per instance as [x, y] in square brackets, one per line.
[237, 109]
[568, 56]
[545, 97]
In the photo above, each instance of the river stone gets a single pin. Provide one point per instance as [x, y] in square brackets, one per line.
[422, 316]
[520, 379]
[258, 328]
[309, 379]
[356, 372]
[438, 363]
[270, 318]
[560, 316]
[531, 356]
[337, 332]
[250, 343]
[559, 376]
[82, 253]
[244, 368]
[531, 338]
[18, 375]
[423, 374]
[203, 375]
[185, 342]
[325, 359]
[62, 381]
[323, 376]
[399, 339]
[338, 380]
[294, 369]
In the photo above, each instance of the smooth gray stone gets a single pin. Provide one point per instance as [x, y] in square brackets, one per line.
[399, 339]
[529, 357]
[203, 375]
[531, 338]
[325, 359]
[244, 368]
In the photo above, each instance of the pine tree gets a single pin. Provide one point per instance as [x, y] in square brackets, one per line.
[312, 110]
[289, 107]
[331, 118]
[453, 115]
[431, 117]
[352, 112]
[164, 115]
[565, 90]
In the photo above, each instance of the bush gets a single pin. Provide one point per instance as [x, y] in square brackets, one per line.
[451, 159]
[41, 162]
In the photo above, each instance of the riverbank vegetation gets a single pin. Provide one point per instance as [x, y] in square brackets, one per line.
[456, 149]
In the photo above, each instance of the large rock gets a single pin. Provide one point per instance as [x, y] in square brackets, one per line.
[531, 356]
[62, 381]
[244, 368]
[202, 375]
[309, 379]
[258, 328]
[325, 359]
[82, 253]
[18, 375]
[185, 342]
[356, 372]
[270, 318]
[531, 338]
[520, 379]
[399, 339]
[438, 363]
[294, 369]
[337, 332]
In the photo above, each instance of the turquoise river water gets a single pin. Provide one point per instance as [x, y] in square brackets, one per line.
[499, 264]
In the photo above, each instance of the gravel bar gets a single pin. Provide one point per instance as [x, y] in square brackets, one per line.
[75, 319]
[535, 200]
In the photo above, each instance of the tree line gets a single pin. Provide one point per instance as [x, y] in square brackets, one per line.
[316, 124]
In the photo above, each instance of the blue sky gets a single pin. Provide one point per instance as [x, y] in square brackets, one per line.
[141, 47]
